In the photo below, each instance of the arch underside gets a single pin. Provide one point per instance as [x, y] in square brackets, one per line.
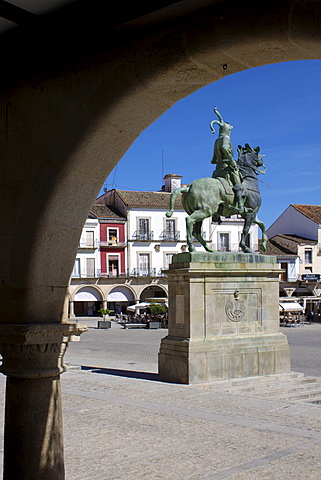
[63, 129]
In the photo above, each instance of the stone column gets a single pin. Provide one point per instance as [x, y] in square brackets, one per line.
[223, 318]
[33, 361]
[71, 309]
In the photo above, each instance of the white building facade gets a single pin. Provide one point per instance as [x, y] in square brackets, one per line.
[87, 263]
[226, 236]
[115, 270]
[295, 237]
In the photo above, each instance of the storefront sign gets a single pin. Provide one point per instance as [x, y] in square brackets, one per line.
[311, 277]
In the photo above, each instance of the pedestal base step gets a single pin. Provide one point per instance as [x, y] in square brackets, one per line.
[293, 387]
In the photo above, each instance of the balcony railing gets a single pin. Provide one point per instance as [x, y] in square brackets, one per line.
[88, 245]
[170, 236]
[88, 274]
[138, 272]
[112, 243]
[234, 247]
[142, 236]
[102, 273]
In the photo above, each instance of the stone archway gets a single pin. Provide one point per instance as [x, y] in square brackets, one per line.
[93, 112]
[64, 126]
[153, 291]
[119, 298]
[86, 301]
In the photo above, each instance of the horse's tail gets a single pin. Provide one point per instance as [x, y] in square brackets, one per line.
[173, 197]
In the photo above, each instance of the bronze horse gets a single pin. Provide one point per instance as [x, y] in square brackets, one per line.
[214, 197]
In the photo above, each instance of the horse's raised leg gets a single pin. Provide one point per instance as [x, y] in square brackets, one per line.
[172, 199]
[263, 230]
[197, 233]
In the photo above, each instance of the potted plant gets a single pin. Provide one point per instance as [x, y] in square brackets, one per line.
[104, 323]
[156, 309]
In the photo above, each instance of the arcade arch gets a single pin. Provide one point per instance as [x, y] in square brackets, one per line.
[153, 291]
[119, 298]
[87, 301]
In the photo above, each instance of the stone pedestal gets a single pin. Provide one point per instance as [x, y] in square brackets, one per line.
[223, 318]
[33, 361]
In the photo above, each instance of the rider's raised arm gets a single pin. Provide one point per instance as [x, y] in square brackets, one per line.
[219, 116]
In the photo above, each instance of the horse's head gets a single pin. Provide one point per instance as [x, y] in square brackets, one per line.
[249, 156]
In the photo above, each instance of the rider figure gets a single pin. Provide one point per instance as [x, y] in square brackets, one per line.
[223, 157]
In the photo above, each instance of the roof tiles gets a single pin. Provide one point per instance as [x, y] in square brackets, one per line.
[283, 244]
[147, 199]
[105, 211]
[313, 212]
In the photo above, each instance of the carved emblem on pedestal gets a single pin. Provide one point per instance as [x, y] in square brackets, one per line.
[235, 309]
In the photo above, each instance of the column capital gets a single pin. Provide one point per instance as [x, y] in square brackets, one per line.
[36, 350]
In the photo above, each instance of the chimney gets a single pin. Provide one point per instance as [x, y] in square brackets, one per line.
[172, 181]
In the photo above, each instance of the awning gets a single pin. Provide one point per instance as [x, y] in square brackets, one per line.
[120, 294]
[290, 307]
[87, 295]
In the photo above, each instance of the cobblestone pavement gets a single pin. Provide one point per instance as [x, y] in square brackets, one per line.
[133, 349]
[121, 422]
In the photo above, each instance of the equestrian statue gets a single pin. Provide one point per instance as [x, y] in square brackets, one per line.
[233, 189]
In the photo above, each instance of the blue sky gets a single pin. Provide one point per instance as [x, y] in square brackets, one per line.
[277, 107]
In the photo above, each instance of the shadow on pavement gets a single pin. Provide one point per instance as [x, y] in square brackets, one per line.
[124, 373]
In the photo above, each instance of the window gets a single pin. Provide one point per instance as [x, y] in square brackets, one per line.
[112, 235]
[308, 255]
[90, 264]
[76, 271]
[284, 275]
[113, 265]
[143, 228]
[89, 238]
[170, 229]
[168, 260]
[143, 264]
[224, 242]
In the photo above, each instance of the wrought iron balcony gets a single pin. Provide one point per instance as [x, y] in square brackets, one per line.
[88, 245]
[102, 273]
[86, 274]
[143, 236]
[233, 247]
[112, 243]
[139, 272]
[170, 236]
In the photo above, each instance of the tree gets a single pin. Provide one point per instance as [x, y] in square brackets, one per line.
[157, 309]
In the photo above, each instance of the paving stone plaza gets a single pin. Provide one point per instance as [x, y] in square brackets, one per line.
[121, 422]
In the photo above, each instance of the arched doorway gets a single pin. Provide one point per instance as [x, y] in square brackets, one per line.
[119, 298]
[87, 302]
[153, 292]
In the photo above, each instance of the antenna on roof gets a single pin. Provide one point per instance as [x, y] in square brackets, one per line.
[162, 164]
[115, 171]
